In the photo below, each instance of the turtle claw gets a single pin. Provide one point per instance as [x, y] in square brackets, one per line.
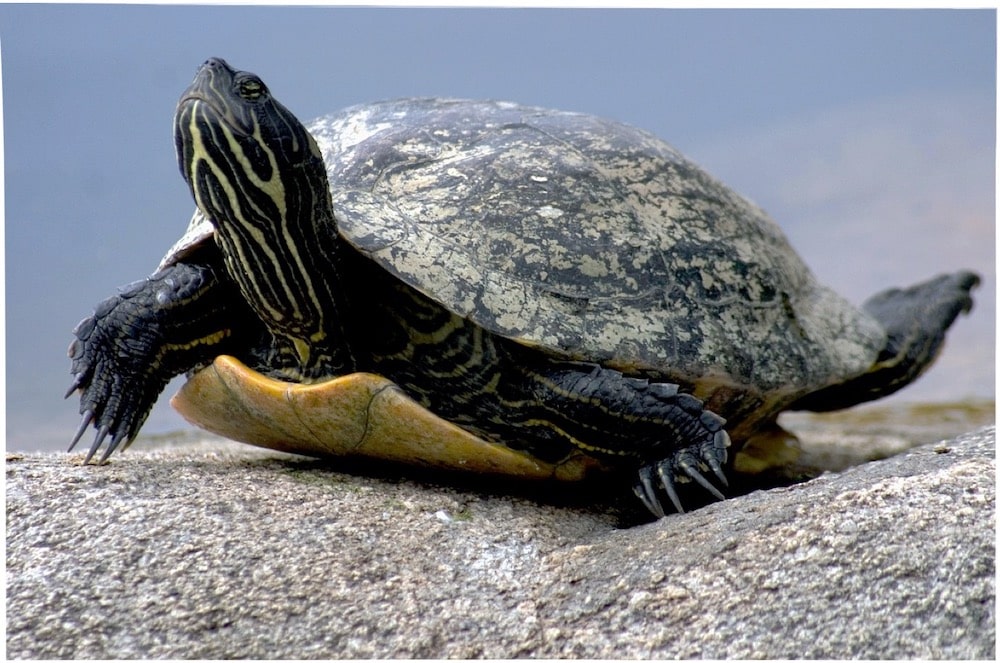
[721, 444]
[699, 478]
[102, 433]
[644, 490]
[88, 416]
[668, 485]
[115, 441]
[685, 465]
[77, 381]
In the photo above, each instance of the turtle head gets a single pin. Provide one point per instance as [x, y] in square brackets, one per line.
[257, 174]
[235, 142]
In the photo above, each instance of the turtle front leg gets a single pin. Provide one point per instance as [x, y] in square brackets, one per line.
[634, 420]
[136, 341]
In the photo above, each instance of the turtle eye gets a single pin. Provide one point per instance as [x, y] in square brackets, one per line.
[251, 89]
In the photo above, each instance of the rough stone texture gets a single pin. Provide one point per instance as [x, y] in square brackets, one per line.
[224, 551]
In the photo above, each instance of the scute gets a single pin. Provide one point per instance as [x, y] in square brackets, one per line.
[589, 238]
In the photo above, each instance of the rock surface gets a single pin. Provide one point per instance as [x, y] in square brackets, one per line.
[225, 551]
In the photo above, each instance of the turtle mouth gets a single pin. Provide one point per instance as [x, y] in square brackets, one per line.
[193, 96]
[191, 102]
[196, 104]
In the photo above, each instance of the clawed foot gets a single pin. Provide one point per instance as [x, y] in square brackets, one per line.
[126, 352]
[691, 463]
[110, 367]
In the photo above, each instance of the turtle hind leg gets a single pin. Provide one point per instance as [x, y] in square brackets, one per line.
[666, 435]
[915, 320]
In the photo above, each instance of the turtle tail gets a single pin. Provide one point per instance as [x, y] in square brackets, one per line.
[915, 320]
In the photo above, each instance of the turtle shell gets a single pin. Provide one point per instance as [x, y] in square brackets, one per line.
[587, 238]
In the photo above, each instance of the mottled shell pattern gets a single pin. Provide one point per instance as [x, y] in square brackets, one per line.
[585, 237]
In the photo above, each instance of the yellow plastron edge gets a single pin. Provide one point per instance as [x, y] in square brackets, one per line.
[355, 415]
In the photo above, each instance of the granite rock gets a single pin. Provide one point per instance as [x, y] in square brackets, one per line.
[221, 551]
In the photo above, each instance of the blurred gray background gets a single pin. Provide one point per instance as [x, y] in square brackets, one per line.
[868, 135]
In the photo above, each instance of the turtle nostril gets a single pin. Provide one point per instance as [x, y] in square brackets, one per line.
[215, 63]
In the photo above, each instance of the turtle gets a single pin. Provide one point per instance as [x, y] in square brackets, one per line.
[482, 286]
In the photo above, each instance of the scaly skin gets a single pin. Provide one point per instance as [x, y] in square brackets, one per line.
[137, 340]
